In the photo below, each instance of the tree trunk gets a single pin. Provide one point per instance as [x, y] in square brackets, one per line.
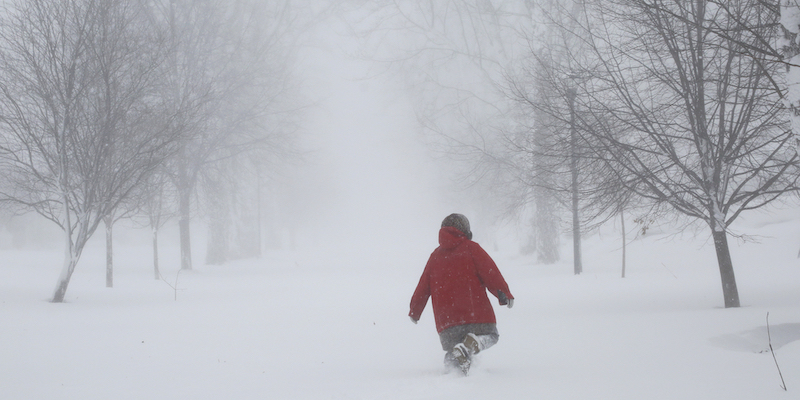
[729, 290]
[624, 239]
[545, 237]
[63, 280]
[70, 260]
[71, 255]
[156, 272]
[217, 249]
[109, 252]
[576, 232]
[258, 213]
[576, 223]
[183, 225]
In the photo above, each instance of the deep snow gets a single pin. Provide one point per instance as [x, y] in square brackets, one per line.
[325, 324]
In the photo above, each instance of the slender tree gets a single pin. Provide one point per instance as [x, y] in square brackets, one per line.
[155, 206]
[76, 80]
[704, 128]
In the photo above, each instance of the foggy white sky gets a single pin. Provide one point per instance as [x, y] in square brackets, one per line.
[371, 182]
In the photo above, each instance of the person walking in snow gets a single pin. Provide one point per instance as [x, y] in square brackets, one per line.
[456, 278]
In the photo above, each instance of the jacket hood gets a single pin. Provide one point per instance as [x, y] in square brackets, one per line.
[450, 237]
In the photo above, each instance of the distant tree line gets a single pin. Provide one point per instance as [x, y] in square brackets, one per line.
[117, 108]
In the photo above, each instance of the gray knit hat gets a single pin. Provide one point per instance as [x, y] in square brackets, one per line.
[460, 222]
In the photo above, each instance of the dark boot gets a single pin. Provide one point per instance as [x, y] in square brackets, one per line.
[473, 344]
[464, 351]
[461, 354]
[450, 362]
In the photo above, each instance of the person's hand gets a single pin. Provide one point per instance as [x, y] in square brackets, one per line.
[413, 320]
[504, 300]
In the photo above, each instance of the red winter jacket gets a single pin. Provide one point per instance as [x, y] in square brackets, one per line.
[456, 278]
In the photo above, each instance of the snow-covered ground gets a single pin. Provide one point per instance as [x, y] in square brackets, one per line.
[325, 324]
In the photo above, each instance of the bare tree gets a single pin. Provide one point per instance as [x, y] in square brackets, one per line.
[690, 118]
[154, 200]
[78, 129]
[546, 196]
[563, 46]
[563, 166]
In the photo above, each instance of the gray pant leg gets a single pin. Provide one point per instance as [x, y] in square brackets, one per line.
[486, 333]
